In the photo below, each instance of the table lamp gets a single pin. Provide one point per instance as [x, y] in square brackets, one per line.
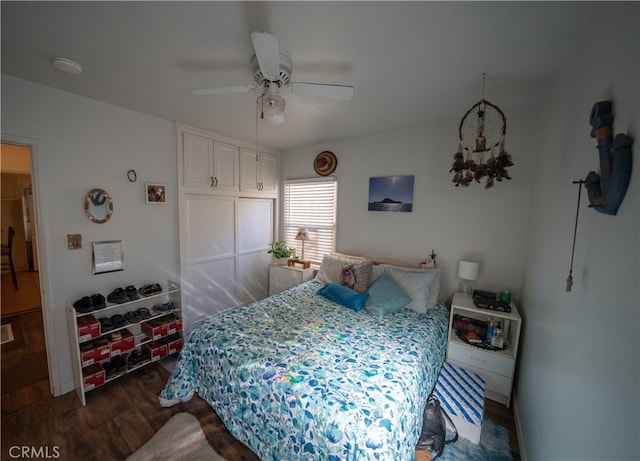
[467, 272]
[302, 235]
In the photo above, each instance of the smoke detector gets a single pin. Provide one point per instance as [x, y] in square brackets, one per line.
[66, 65]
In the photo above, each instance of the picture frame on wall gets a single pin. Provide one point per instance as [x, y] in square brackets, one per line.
[391, 193]
[156, 193]
[107, 256]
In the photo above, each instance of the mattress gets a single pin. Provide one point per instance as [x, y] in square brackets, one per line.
[298, 377]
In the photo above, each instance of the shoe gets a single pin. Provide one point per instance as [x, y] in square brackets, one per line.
[120, 363]
[100, 341]
[118, 321]
[105, 325]
[133, 317]
[115, 336]
[110, 370]
[118, 296]
[144, 313]
[84, 347]
[150, 289]
[144, 356]
[97, 301]
[132, 293]
[83, 305]
[165, 307]
[134, 358]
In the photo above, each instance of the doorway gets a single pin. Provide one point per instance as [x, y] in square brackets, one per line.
[25, 373]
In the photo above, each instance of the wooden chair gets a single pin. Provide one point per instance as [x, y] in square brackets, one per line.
[7, 252]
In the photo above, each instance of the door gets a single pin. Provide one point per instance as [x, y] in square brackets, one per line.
[210, 259]
[255, 233]
[23, 309]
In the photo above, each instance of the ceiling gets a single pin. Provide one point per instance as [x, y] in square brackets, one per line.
[411, 63]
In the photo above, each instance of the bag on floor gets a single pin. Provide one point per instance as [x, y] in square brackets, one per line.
[434, 427]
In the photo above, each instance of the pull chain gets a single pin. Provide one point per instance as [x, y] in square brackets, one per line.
[575, 231]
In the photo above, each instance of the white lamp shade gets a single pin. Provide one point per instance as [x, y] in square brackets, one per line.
[468, 269]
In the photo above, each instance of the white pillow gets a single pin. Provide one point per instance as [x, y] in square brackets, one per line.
[331, 271]
[423, 285]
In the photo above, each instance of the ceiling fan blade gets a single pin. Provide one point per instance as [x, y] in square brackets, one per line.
[321, 90]
[268, 54]
[222, 90]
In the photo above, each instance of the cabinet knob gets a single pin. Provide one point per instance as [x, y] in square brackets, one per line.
[212, 182]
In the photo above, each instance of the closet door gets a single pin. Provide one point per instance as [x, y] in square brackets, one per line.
[210, 262]
[255, 233]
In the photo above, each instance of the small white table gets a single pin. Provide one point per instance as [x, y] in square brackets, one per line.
[282, 277]
[496, 367]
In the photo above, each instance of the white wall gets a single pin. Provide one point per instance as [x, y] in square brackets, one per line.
[83, 144]
[578, 385]
[456, 222]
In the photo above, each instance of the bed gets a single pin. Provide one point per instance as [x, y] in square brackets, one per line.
[299, 376]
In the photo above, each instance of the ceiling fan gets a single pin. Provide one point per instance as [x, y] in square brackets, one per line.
[272, 71]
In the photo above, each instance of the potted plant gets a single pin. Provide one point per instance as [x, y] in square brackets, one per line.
[280, 250]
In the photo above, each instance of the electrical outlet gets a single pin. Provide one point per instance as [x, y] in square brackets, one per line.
[74, 241]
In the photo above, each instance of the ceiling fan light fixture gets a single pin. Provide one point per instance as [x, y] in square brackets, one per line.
[273, 105]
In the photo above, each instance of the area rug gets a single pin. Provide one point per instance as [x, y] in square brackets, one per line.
[180, 439]
[7, 334]
[493, 446]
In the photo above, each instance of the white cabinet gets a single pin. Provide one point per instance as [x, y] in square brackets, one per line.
[258, 173]
[283, 277]
[223, 252]
[100, 354]
[227, 207]
[209, 164]
[496, 366]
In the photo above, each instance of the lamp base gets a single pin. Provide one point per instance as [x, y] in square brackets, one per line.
[300, 262]
[466, 286]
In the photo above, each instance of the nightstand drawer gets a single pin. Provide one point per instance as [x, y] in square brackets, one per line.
[480, 359]
[493, 382]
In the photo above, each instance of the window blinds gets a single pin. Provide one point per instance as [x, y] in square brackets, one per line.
[311, 203]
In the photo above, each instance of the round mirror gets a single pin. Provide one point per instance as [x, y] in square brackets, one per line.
[98, 206]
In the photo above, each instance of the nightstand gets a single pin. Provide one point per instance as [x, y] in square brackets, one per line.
[284, 277]
[495, 366]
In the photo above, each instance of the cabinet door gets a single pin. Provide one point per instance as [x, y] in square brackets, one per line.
[269, 173]
[255, 233]
[209, 257]
[198, 161]
[225, 166]
[248, 171]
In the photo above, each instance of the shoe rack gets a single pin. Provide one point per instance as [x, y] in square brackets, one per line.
[100, 357]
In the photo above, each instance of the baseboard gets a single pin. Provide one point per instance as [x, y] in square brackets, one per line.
[516, 417]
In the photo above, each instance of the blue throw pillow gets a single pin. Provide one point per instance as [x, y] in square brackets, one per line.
[385, 297]
[343, 295]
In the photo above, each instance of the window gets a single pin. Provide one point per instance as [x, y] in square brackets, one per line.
[311, 204]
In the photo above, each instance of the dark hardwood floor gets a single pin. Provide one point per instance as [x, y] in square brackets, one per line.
[122, 415]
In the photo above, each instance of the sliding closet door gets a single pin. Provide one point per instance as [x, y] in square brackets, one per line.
[210, 263]
[255, 233]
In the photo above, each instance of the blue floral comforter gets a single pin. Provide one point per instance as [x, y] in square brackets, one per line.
[298, 377]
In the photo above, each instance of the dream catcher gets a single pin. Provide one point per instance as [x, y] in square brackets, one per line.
[481, 151]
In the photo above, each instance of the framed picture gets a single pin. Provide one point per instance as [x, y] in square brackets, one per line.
[156, 193]
[108, 256]
[391, 193]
